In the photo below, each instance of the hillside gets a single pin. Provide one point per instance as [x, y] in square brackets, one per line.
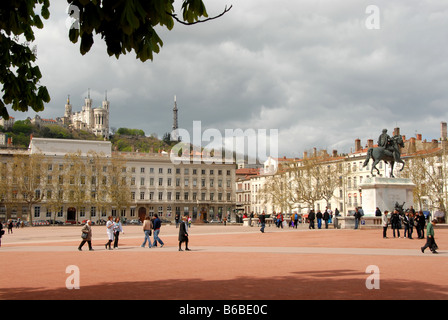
[122, 140]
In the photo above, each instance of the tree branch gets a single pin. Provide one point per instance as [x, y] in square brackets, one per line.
[199, 21]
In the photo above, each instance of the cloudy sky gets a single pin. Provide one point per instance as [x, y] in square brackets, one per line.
[309, 68]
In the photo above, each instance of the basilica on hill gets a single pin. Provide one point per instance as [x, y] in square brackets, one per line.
[94, 120]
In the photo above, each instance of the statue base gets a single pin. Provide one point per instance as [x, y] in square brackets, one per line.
[384, 192]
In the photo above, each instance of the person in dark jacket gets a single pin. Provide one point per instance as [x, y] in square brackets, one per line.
[357, 216]
[395, 223]
[262, 219]
[319, 219]
[311, 217]
[157, 224]
[183, 235]
[326, 218]
[420, 224]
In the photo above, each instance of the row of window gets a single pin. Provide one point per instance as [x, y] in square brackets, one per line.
[186, 182]
[186, 196]
[186, 171]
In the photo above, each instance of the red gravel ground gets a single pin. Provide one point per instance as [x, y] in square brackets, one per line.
[226, 263]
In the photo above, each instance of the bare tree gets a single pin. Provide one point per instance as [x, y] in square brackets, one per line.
[27, 173]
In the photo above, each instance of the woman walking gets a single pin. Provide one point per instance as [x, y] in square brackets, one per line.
[86, 235]
[183, 235]
[110, 232]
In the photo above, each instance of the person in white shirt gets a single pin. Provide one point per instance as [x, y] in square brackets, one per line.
[110, 232]
[385, 223]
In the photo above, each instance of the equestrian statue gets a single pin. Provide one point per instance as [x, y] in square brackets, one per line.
[388, 150]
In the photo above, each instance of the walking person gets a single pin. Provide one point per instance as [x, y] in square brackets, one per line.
[430, 241]
[395, 223]
[117, 229]
[86, 236]
[157, 224]
[262, 219]
[183, 234]
[110, 232]
[147, 230]
[385, 223]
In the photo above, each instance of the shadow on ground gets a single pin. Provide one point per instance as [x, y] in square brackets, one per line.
[341, 284]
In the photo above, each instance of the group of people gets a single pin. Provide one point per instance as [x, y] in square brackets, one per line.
[113, 230]
[150, 225]
[326, 216]
[408, 220]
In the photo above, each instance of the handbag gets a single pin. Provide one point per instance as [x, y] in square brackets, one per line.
[84, 235]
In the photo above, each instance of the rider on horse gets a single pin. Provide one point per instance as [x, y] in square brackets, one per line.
[388, 143]
[388, 150]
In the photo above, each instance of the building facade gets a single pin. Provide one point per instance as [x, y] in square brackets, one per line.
[79, 180]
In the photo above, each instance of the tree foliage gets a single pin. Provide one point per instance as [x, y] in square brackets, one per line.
[19, 76]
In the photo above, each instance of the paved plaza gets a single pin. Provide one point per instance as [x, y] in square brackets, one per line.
[226, 263]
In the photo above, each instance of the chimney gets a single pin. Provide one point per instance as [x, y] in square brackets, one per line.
[443, 134]
[357, 145]
[435, 143]
[370, 143]
[419, 136]
[314, 152]
[412, 146]
[305, 155]
[335, 153]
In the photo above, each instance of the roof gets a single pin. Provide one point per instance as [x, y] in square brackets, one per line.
[61, 147]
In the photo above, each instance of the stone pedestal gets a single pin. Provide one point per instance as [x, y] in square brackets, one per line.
[384, 192]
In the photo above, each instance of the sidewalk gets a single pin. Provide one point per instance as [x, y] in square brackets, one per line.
[226, 263]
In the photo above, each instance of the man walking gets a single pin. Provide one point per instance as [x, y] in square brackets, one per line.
[157, 224]
[430, 241]
[262, 219]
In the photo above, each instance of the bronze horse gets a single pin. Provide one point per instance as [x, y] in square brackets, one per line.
[386, 154]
